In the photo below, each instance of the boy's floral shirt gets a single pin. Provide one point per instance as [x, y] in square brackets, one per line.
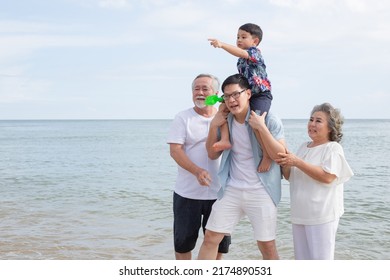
[253, 69]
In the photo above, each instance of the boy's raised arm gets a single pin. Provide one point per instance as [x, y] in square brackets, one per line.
[233, 50]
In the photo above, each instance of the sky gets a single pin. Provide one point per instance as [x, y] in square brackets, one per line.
[136, 59]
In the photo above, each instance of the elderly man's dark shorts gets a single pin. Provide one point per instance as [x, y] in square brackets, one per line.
[188, 220]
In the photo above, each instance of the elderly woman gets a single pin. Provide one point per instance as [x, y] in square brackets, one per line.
[316, 175]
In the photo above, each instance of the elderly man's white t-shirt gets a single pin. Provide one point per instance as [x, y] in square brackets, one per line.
[191, 130]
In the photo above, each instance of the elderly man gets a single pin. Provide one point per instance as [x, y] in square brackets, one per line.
[197, 182]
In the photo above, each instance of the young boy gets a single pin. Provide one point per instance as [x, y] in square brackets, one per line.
[251, 65]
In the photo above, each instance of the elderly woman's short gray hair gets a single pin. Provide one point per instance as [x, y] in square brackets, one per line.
[335, 120]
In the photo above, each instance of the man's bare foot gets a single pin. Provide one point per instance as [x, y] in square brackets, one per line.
[221, 146]
[264, 165]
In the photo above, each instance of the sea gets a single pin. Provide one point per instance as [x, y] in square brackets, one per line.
[102, 190]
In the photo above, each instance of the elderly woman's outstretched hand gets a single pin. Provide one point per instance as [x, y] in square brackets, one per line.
[286, 159]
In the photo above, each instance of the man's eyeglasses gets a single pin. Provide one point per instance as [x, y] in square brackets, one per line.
[235, 95]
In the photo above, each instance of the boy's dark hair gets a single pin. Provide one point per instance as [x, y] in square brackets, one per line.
[253, 29]
[236, 79]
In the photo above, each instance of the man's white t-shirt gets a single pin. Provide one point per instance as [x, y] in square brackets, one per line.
[243, 169]
[191, 130]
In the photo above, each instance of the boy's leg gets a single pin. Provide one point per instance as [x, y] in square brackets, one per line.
[266, 161]
[224, 142]
[261, 103]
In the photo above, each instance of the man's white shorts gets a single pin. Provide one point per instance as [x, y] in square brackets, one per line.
[236, 203]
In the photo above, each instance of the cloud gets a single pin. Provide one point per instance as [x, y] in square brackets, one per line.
[24, 27]
[115, 4]
[182, 15]
[19, 39]
[325, 6]
[16, 87]
[328, 23]
[97, 49]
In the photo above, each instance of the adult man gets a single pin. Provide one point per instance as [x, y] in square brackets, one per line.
[244, 191]
[197, 182]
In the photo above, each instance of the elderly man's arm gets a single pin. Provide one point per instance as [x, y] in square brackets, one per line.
[181, 158]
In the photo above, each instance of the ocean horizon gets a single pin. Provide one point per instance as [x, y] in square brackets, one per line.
[102, 190]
